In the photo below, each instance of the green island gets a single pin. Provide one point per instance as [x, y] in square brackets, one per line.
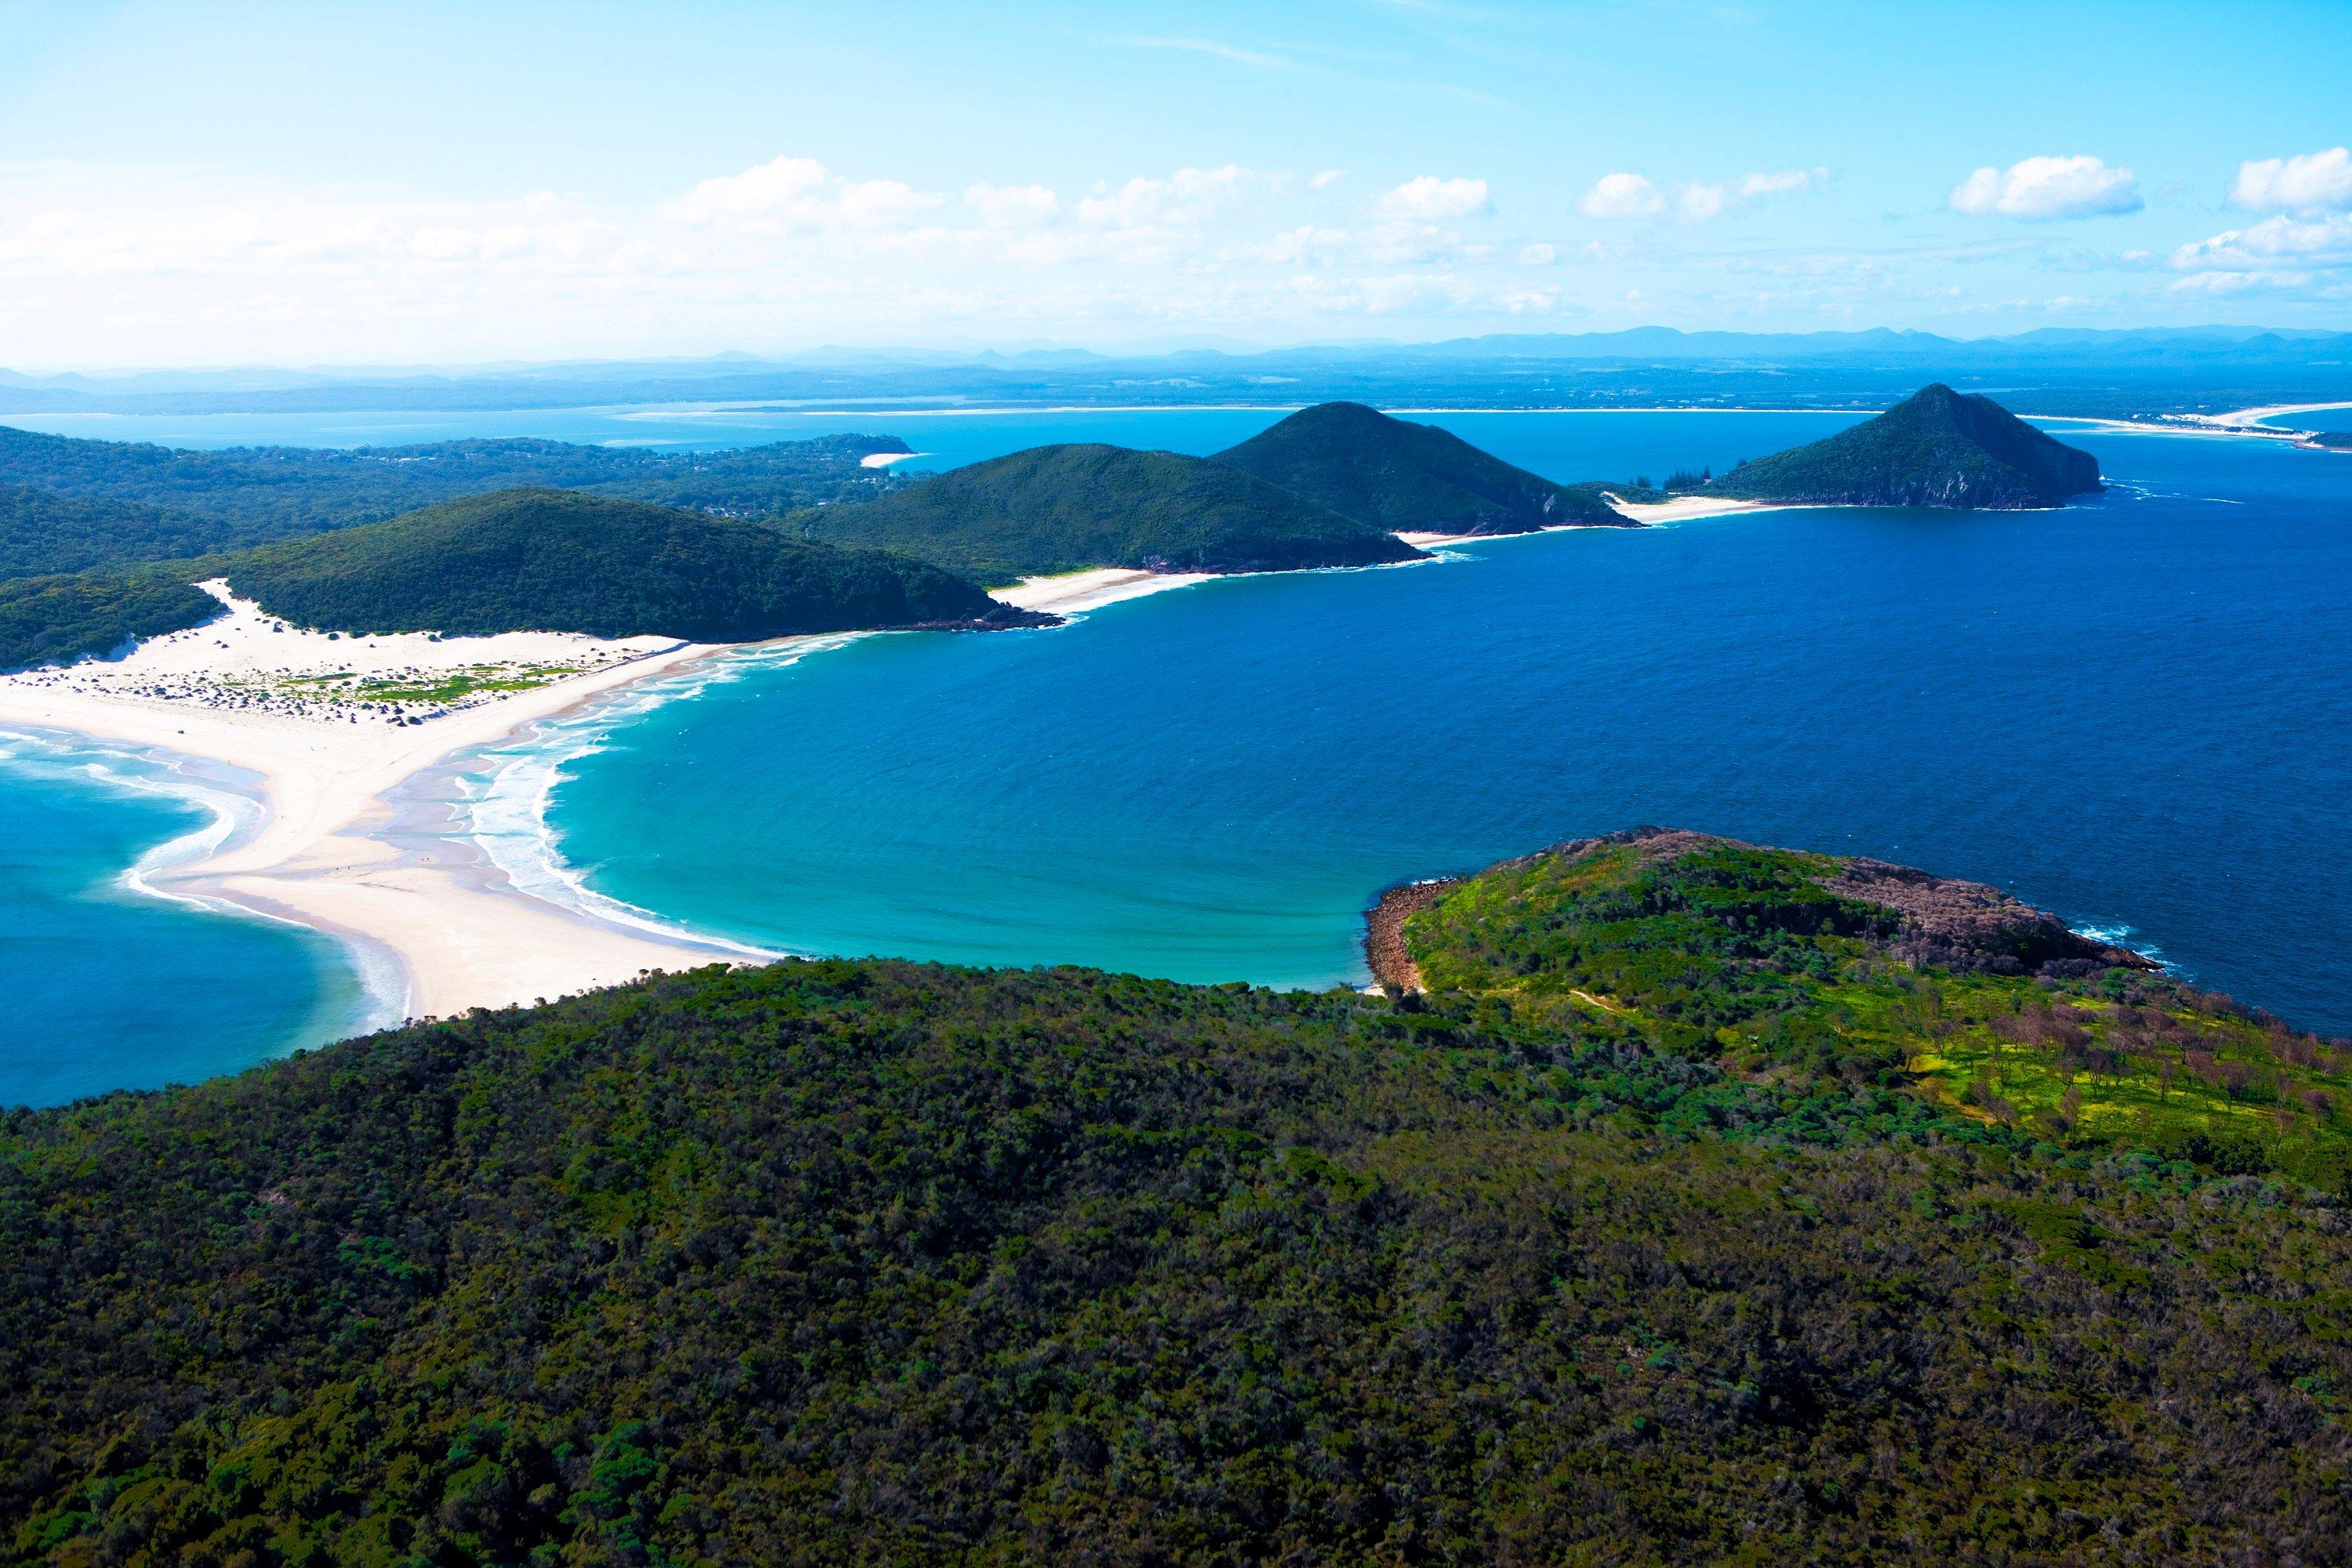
[1936, 448]
[1408, 478]
[1681, 1201]
[1067, 508]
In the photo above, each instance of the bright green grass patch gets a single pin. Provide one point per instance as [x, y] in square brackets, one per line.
[446, 686]
[1743, 956]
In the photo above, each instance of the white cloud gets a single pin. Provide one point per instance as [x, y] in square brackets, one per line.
[1428, 199]
[1696, 203]
[1186, 197]
[2046, 189]
[1327, 177]
[1013, 207]
[1622, 195]
[2312, 181]
[1634, 196]
[791, 193]
[2236, 282]
[1788, 182]
[1537, 255]
[2272, 244]
[1305, 245]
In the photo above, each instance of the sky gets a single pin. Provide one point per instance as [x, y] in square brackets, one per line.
[196, 183]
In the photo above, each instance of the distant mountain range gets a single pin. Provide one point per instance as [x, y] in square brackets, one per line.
[2051, 371]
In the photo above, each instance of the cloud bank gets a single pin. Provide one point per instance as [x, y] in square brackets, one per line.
[2048, 190]
[1626, 195]
[2312, 181]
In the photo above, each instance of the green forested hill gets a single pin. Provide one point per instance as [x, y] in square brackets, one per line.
[41, 533]
[1062, 509]
[1641, 1236]
[1937, 447]
[252, 494]
[532, 560]
[1396, 475]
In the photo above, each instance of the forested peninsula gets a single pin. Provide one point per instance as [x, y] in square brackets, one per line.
[1688, 1202]
[542, 560]
[1066, 507]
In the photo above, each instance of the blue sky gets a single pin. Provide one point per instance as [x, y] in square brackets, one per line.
[217, 183]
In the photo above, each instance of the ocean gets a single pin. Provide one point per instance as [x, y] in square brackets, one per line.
[2135, 711]
[110, 987]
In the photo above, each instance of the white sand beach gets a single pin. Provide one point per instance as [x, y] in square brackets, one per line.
[1682, 508]
[2251, 419]
[329, 728]
[1071, 593]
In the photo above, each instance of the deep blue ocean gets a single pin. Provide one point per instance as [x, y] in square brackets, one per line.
[2135, 711]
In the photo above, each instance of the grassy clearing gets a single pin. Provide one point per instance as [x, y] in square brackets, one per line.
[1747, 957]
[439, 687]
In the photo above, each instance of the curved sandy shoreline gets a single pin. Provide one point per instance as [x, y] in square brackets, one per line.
[330, 848]
[361, 831]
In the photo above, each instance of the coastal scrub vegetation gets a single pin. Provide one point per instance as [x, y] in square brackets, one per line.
[536, 560]
[1397, 475]
[1773, 961]
[1066, 507]
[1644, 1231]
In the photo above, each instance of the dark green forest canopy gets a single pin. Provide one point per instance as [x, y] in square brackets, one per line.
[1937, 447]
[877, 1262]
[57, 619]
[1394, 474]
[253, 494]
[532, 560]
[44, 533]
[1066, 507]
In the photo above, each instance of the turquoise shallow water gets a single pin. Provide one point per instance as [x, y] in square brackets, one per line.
[2136, 711]
[109, 987]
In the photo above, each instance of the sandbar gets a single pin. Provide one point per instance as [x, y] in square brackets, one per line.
[1071, 593]
[326, 728]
